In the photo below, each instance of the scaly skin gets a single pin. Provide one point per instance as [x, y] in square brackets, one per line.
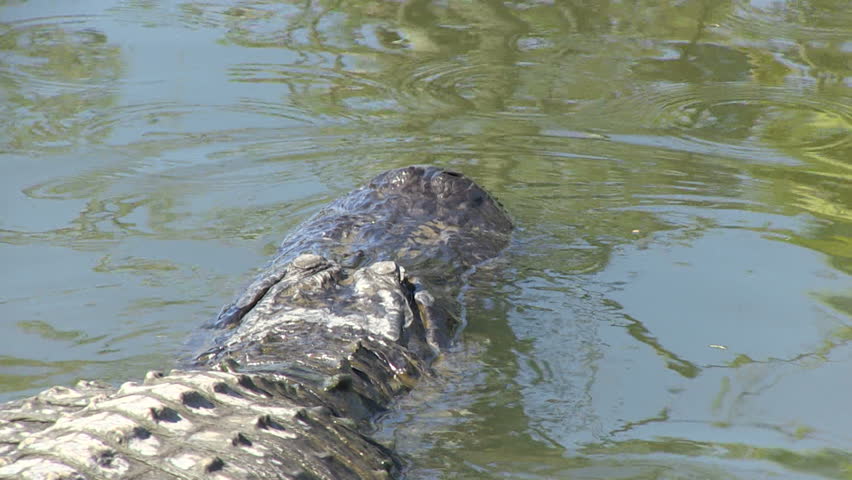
[359, 301]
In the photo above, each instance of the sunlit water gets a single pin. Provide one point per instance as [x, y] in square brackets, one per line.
[677, 301]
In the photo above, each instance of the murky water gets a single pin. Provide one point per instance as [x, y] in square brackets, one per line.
[677, 303]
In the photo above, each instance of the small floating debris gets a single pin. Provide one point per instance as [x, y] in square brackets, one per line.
[719, 347]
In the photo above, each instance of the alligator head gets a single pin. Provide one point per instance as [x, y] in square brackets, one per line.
[386, 260]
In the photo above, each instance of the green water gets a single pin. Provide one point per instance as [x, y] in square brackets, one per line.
[677, 302]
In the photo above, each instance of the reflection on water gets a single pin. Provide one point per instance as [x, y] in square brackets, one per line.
[55, 70]
[677, 300]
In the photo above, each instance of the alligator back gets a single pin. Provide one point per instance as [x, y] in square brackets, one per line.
[348, 316]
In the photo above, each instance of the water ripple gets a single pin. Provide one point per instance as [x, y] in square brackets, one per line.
[146, 114]
[422, 86]
[442, 82]
[272, 109]
[790, 19]
[57, 71]
[464, 84]
[188, 14]
[737, 118]
[321, 91]
[50, 54]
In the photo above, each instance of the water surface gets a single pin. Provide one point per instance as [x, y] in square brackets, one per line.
[677, 301]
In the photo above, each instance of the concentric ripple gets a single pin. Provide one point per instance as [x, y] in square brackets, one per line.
[319, 91]
[425, 87]
[790, 19]
[736, 118]
[441, 82]
[57, 70]
[52, 53]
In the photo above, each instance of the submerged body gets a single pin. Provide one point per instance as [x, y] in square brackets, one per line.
[358, 302]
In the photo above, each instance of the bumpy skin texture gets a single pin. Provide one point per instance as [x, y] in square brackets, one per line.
[349, 315]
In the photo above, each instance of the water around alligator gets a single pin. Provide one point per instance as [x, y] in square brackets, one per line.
[677, 302]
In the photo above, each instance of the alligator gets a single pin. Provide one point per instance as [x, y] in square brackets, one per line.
[352, 311]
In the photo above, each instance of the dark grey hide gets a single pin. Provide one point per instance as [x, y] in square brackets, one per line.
[359, 301]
